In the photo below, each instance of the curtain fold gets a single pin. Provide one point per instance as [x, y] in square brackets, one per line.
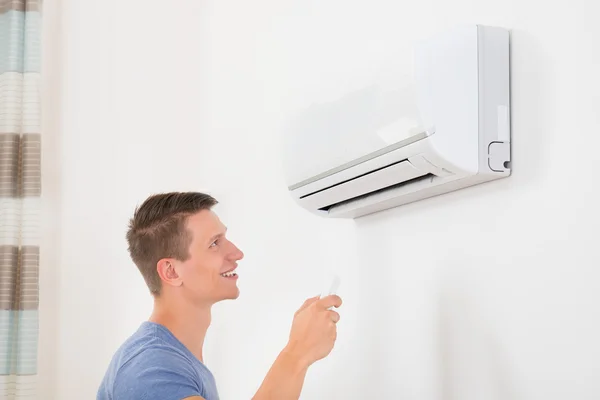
[20, 191]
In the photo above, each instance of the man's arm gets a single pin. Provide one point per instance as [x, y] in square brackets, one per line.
[284, 380]
[312, 337]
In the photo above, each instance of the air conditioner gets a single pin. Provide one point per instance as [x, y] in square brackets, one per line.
[374, 149]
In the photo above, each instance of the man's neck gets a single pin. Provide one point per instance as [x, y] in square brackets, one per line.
[188, 323]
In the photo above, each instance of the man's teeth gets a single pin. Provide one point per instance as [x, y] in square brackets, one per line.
[230, 273]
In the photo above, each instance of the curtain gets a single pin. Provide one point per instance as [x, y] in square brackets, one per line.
[20, 190]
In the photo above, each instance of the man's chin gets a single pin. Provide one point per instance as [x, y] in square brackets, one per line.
[231, 296]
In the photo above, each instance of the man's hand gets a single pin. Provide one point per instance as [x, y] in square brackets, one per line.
[312, 337]
[314, 332]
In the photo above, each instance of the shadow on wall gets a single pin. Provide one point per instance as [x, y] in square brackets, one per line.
[532, 105]
[472, 361]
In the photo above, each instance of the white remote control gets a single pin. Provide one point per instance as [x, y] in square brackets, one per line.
[335, 283]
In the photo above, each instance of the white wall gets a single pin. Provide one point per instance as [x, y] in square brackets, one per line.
[487, 293]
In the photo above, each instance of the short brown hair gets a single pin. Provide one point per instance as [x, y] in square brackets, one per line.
[157, 230]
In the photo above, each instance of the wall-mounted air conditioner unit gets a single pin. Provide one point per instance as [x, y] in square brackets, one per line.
[373, 150]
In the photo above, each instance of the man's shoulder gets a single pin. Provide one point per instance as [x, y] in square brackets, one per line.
[145, 360]
[148, 347]
[157, 372]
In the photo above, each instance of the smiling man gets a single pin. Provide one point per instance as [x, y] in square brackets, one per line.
[181, 248]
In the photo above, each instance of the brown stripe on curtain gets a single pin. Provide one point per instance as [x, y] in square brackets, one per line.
[20, 165]
[19, 286]
[20, 5]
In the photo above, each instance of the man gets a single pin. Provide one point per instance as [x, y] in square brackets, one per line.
[181, 249]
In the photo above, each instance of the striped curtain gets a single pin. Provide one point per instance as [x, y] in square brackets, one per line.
[20, 189]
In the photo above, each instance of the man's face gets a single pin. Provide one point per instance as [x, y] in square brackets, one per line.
[208, 275]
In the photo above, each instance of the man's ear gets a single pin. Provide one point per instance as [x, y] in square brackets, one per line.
[167, 272]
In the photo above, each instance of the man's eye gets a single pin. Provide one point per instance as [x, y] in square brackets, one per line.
[213, 244]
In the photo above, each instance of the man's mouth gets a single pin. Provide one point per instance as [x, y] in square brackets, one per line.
[229, 274]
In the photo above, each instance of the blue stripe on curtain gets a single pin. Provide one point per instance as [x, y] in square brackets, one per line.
[20, 327]
[20, 41]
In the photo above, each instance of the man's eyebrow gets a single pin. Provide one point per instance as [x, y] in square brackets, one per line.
[218, 235]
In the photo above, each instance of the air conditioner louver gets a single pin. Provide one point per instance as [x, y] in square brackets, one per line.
[391, 175]
[423, 178]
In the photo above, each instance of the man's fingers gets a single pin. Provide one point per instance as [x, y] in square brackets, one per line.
[334, 316]
[332, 300]
[308, 302]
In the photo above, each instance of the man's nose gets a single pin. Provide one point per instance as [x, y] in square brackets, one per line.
[237, 254]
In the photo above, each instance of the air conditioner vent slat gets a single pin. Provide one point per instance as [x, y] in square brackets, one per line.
[423, 178]
[353, 178]
[381, 178]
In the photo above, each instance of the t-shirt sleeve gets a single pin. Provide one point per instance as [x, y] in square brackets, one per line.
[156, 374]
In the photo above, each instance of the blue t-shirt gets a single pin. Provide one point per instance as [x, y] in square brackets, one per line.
[154, 365]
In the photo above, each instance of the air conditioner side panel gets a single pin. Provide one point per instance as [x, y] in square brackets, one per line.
[494, 101]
